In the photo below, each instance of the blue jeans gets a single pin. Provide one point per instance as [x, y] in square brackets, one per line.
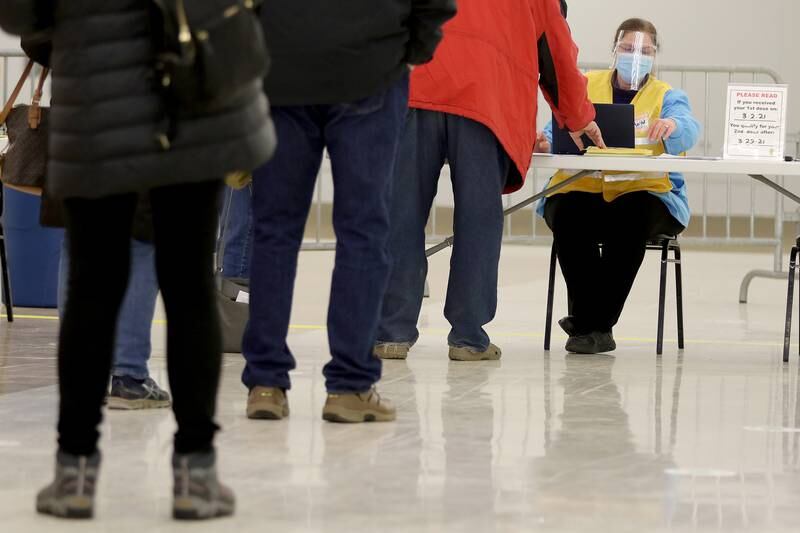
[362, 139]
[479, 168]
[132, 348]
[237, 232]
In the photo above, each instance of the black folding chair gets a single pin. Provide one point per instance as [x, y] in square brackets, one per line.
[9, 300]
[662, 243]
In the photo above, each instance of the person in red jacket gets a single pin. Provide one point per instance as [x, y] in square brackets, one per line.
[475, 106]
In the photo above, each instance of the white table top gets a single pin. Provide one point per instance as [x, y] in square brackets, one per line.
[666, 164]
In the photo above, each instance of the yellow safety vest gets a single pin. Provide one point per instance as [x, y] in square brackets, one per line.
[647, 109]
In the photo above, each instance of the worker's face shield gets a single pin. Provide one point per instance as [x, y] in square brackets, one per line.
[634, 58]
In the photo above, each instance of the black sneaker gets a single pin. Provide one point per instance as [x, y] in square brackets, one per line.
[128, 394]
[593, 343]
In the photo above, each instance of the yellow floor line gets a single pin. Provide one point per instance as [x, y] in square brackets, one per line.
[508, 334]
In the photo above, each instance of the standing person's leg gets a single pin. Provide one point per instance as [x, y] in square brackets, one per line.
[479, 167]
[362, 139]
[99, 250]
[131, 384]
[576, 219]
[634, 218]
[282, 194]
[420, 159]
[185, 241]
[237, 233]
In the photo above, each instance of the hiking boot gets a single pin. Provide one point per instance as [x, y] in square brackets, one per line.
[593, 343]
[198, 494]
[71, 494]
[358, 407]
[267, 403]
[128, 393]
[465, 353]
[391, 350]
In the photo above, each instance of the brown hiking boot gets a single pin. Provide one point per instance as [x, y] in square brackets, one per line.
[267, 403]
[391, 350]
[197, 492]
[464, 353]
[71, 494]
[358, 407]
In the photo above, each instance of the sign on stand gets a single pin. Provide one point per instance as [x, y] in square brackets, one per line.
[756, 127]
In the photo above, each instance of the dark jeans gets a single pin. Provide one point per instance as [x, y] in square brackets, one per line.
[361, 138]
[479, 167]
[598, 285]
[99, 234]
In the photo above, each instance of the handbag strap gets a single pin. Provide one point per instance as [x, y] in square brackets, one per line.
[15, 94]
[35, 111]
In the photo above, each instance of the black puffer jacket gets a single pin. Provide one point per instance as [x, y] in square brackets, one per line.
[107, 110]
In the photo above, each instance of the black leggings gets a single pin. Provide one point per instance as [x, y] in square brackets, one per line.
[598, 286]
[99, 240]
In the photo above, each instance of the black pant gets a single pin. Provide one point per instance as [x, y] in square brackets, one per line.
[583, 224]
[99, 236]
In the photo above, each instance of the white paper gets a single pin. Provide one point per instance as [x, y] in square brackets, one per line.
[756, 122]
[243, 297]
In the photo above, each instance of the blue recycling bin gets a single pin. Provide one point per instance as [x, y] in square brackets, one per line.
[33, 251]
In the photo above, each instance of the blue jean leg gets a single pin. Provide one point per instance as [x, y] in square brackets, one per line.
[362, 140]
[132, 346]
[419, 164]
[479, 168]
[237, 232]
[282, 194]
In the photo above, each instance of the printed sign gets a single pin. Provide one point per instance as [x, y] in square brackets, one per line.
[756, 127]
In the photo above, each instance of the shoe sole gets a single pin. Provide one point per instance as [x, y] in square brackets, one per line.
[382, 354]
[196, 509]
[121, 404]
[74, 508]
[591, 352]
[391, 356]
[474, 356]
[348, 416]
[267, 414]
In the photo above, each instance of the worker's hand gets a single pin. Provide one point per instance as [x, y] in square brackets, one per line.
[662, 129]
[592, 130]
[542, 145]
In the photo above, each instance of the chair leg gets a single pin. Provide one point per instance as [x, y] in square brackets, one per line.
[6, 283]
[662, 293]
[679, 293]
[551, 285]
[787, 333]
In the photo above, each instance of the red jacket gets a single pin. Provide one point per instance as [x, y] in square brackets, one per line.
[488, 69]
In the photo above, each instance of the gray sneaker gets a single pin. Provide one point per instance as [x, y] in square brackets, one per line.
[465, 353]
[128, 393]
[198, 494]
[71, 494]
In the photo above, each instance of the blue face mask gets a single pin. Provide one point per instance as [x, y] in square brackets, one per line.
[625, 64]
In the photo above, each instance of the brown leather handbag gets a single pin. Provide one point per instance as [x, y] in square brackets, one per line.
[23, 165]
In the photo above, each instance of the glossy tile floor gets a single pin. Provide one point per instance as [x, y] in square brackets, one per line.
[707, 440]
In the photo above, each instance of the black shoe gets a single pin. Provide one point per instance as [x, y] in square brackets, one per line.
[568, 325]
[593, 343]
[128, 393]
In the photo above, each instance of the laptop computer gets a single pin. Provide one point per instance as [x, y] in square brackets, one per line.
[616, 121]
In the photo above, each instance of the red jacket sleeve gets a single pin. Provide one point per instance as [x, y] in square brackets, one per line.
[563, 84]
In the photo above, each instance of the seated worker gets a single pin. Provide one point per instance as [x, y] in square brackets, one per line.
[619, 211]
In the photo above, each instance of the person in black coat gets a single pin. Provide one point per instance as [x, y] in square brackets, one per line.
[338, 81]
[105, 150]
